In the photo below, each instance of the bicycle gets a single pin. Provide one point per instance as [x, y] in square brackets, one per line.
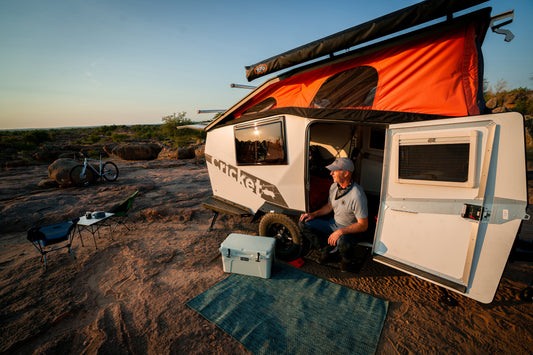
[84, 174]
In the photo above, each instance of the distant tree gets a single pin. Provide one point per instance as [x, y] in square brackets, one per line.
[172, 121]
[217, 115]
[500, 86]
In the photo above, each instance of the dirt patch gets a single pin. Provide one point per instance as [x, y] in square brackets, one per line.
[130, 294]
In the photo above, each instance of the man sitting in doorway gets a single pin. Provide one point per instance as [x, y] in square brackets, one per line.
[348, 203]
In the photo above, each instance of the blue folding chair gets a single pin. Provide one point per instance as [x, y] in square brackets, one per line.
[45, 238]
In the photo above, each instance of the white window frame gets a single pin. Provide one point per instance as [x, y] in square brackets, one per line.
[407, 139]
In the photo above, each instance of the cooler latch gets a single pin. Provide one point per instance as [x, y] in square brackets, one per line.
[258, 258]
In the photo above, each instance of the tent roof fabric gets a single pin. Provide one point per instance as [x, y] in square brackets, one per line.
[391, 23]
[433, 71]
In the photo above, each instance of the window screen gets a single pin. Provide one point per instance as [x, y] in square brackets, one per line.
[261, 143]
[435, 162]
[355, 87]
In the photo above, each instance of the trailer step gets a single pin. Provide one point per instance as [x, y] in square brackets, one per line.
[220, 205]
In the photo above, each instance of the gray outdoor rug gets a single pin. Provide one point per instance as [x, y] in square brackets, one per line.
[293, 312]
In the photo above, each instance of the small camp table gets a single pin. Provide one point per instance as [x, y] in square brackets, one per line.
[92, 225]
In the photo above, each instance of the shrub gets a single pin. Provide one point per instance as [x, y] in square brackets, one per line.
[36, 137]
[173, 121]
[119, 137]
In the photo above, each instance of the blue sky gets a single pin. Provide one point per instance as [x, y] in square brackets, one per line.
[102, 62]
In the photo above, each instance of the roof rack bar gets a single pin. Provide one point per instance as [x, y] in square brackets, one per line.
[210, 111]
[241, 86]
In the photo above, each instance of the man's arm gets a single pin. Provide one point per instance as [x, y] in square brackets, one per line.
[324, 210]
[360, 226]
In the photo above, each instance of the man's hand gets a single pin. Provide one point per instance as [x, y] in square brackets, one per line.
[306, 217]
[333, 237]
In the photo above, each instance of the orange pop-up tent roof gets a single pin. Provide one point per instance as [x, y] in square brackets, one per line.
[438, 74]
[435, 71]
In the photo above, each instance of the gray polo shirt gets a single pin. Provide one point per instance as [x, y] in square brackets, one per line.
[350, 207]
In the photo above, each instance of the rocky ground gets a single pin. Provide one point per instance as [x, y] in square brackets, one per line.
[129, 295]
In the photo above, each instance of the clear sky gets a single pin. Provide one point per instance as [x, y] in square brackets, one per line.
[70, 63]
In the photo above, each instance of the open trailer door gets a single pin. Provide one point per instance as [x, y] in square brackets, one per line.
[453, 196]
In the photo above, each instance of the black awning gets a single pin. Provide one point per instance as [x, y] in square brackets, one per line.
[391, 23]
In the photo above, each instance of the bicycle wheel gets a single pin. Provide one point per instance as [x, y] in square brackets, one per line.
[109, 171]
[79, 179]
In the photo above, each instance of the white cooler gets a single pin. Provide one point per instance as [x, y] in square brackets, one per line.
[248, 254]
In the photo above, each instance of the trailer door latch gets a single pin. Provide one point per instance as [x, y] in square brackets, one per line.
[472, 212]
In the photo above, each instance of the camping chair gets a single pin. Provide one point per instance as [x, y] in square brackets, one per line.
[44, 237]
[121, 210]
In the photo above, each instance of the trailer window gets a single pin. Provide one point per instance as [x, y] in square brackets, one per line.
[261, 143]
[355, 87]
[440, 160]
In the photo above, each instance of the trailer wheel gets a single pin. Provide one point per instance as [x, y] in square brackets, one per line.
[289, 244]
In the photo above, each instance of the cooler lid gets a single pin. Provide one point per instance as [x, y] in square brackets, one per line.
[248, 244]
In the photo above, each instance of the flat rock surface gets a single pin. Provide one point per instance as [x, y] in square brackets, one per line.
[129, 295]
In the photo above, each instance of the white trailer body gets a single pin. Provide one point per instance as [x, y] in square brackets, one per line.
[451, 225]
[446, 182]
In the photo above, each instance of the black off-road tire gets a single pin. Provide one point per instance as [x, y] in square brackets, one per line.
[289, 244]
[77, 179]
[109, 171]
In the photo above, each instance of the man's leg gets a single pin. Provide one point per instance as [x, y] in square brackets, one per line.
[348, 249]
[317, 231]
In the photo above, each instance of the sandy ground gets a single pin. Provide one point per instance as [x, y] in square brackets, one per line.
[129, 295]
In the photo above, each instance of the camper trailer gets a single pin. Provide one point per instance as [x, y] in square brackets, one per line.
[445, 181]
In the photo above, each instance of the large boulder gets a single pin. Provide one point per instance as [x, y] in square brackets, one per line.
[138, 151]
[500, 109]
[108, 148]
[200, 152]
[59, 170]
[492, 103]
[46, 155]
[47, 184]
[186, 152]
[168, 153]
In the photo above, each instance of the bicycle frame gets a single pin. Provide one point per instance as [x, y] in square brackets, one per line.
[86, 163]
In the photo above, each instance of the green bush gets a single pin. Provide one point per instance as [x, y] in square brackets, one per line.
[524, 106]
[147, 132]
[119, 137]
[36, 137]
[523, 102]
[94, 138]
[173, 121]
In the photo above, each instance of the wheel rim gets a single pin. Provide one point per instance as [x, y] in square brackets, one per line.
[110, 171]
[282, 235]
[109, 174]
